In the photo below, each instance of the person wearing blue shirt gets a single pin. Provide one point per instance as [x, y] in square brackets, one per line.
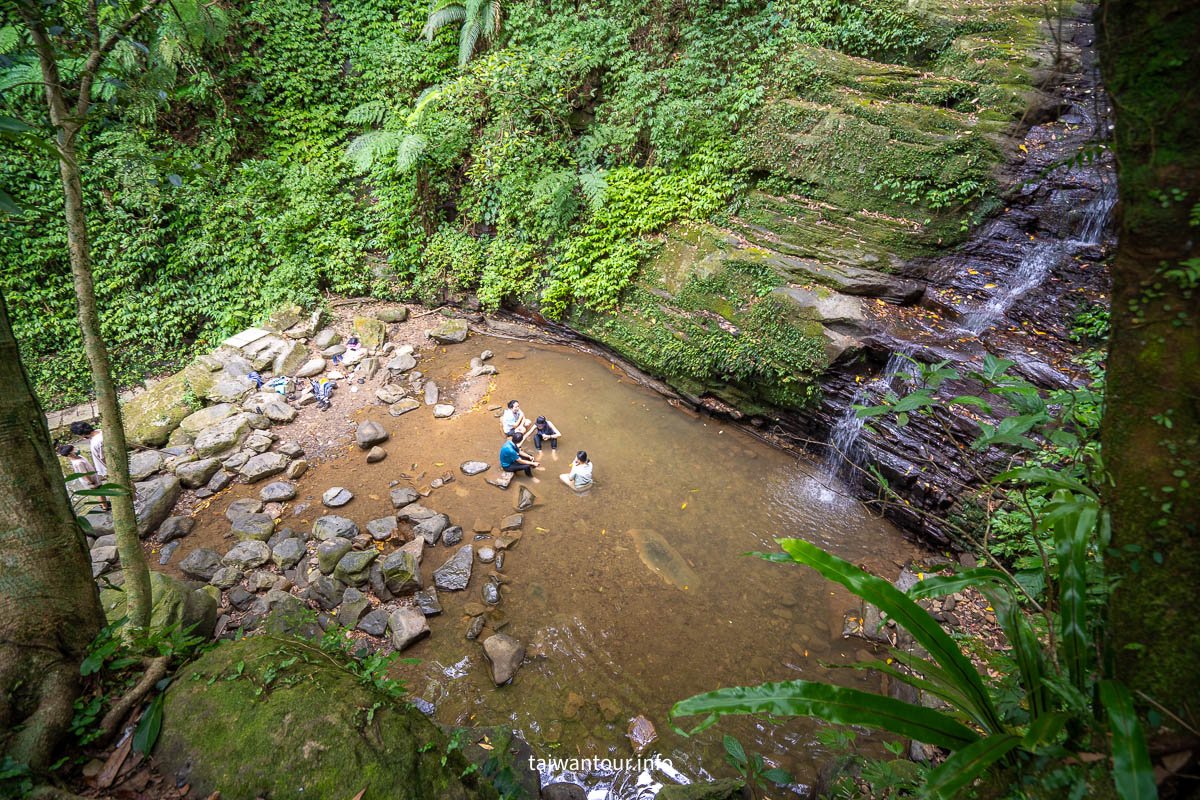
[513, 459]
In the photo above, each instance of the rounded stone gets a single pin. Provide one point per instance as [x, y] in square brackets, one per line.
[337, 496]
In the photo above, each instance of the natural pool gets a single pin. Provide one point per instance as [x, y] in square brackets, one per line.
[631, 596]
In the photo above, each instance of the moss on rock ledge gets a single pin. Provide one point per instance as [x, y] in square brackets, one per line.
[277, 717]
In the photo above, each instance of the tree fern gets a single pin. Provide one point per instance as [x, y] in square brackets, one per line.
[480, 20]
[372, 112]
[595, 188]
[411, 148]
[365, 150]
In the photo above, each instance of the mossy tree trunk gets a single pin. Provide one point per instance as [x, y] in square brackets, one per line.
[1151, 428]
[49, 606]
[68, 119]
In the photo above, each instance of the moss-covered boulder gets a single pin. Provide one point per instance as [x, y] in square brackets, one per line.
[153, 415]
[173, 601]
[272, 716]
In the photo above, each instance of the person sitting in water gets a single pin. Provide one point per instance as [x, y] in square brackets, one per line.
[544, 431]
[514, 421]
[513, 459]
[580, 476]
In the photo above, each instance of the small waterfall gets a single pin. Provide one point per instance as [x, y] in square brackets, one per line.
[1043, 258]
[843, 438]
[844, 448]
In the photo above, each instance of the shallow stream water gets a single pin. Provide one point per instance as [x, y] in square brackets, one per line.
[616, 637]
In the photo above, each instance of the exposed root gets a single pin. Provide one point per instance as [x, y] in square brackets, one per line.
[156, 670]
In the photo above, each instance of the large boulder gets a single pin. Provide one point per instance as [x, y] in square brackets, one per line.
[408, 626]
[206, 417]
[153, 415]
[371, 333]
[392, 314]
[331, 525]
[369, 434]
[195, 474]
[263, 465]
[450, 331]
[144, 463]
[222, 436]
[229, 390]
[202, 563]
[247, 555]
[355, 567]
[257, 527]
[455, 574]
[284, 317]
[297, 739]
[153, 501]
[172, 601]
[289, 358]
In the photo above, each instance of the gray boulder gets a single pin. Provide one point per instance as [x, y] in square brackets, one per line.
[288, 553]
[247, 555]
[450, 331]
[330, 552]
[392, 314]
[222, 437]
[455, 574]
[431, 529]
[473, 467]
[402, 362]
[403, 407]
[355, 566]
[427, 601]
[354, 605]
[278, 492]
[258, 527]
[201, 563]
[408, 625]
[337, 496]
[370, 433]
[144, 463]
[452, 535]
[229, 390]
[327, 338]
[227, 578]
[194, 423]
[415, 512]
[289, 358]
[174, 528]
[326, 591]
[314, 366]
[331, 525]
[382, 529]
[374, 623]
[219, 481]
[262, 466]
[243, 506]
[153, 501]
[403, 496]
[279, 412]
[195, 474]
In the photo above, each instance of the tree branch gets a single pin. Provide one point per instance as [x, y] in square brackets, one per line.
[87, 75]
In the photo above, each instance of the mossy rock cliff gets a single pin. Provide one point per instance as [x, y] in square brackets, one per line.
[277, 717]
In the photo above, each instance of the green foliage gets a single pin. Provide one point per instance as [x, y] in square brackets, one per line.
[480, 20]
[371, 669]
[752, 768]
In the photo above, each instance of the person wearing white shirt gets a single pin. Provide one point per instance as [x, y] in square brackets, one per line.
[514, 421]
[95, 444]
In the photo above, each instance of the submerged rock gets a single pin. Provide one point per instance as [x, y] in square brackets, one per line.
[663, 559]
[427, 601]
[505, 654]
[473, 467]
[525, 499]
[641, 734]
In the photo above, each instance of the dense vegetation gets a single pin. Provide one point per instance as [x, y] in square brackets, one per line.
[272, 150]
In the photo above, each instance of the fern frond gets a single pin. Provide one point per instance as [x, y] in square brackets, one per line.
[595, 188]
[364, 151]
[467, 38]
[441, 17]
[372, 112]
[426, 97]
[10, 39]
[410, 151]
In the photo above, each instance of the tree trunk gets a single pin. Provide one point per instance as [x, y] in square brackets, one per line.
[49, 606]
[129, 544]
[67, 122]
[1151, 428]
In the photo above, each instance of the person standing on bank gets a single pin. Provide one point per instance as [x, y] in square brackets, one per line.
[513, 459]
[95, 444]
[83, 468]
[544, 431]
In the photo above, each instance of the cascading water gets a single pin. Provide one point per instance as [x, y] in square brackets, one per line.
[1043, 258]
[844, 452]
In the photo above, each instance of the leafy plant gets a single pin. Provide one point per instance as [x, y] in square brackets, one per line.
[973, 731]
[752, 768]
[480, 20]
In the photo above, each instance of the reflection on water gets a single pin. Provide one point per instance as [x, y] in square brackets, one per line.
[638, 593]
